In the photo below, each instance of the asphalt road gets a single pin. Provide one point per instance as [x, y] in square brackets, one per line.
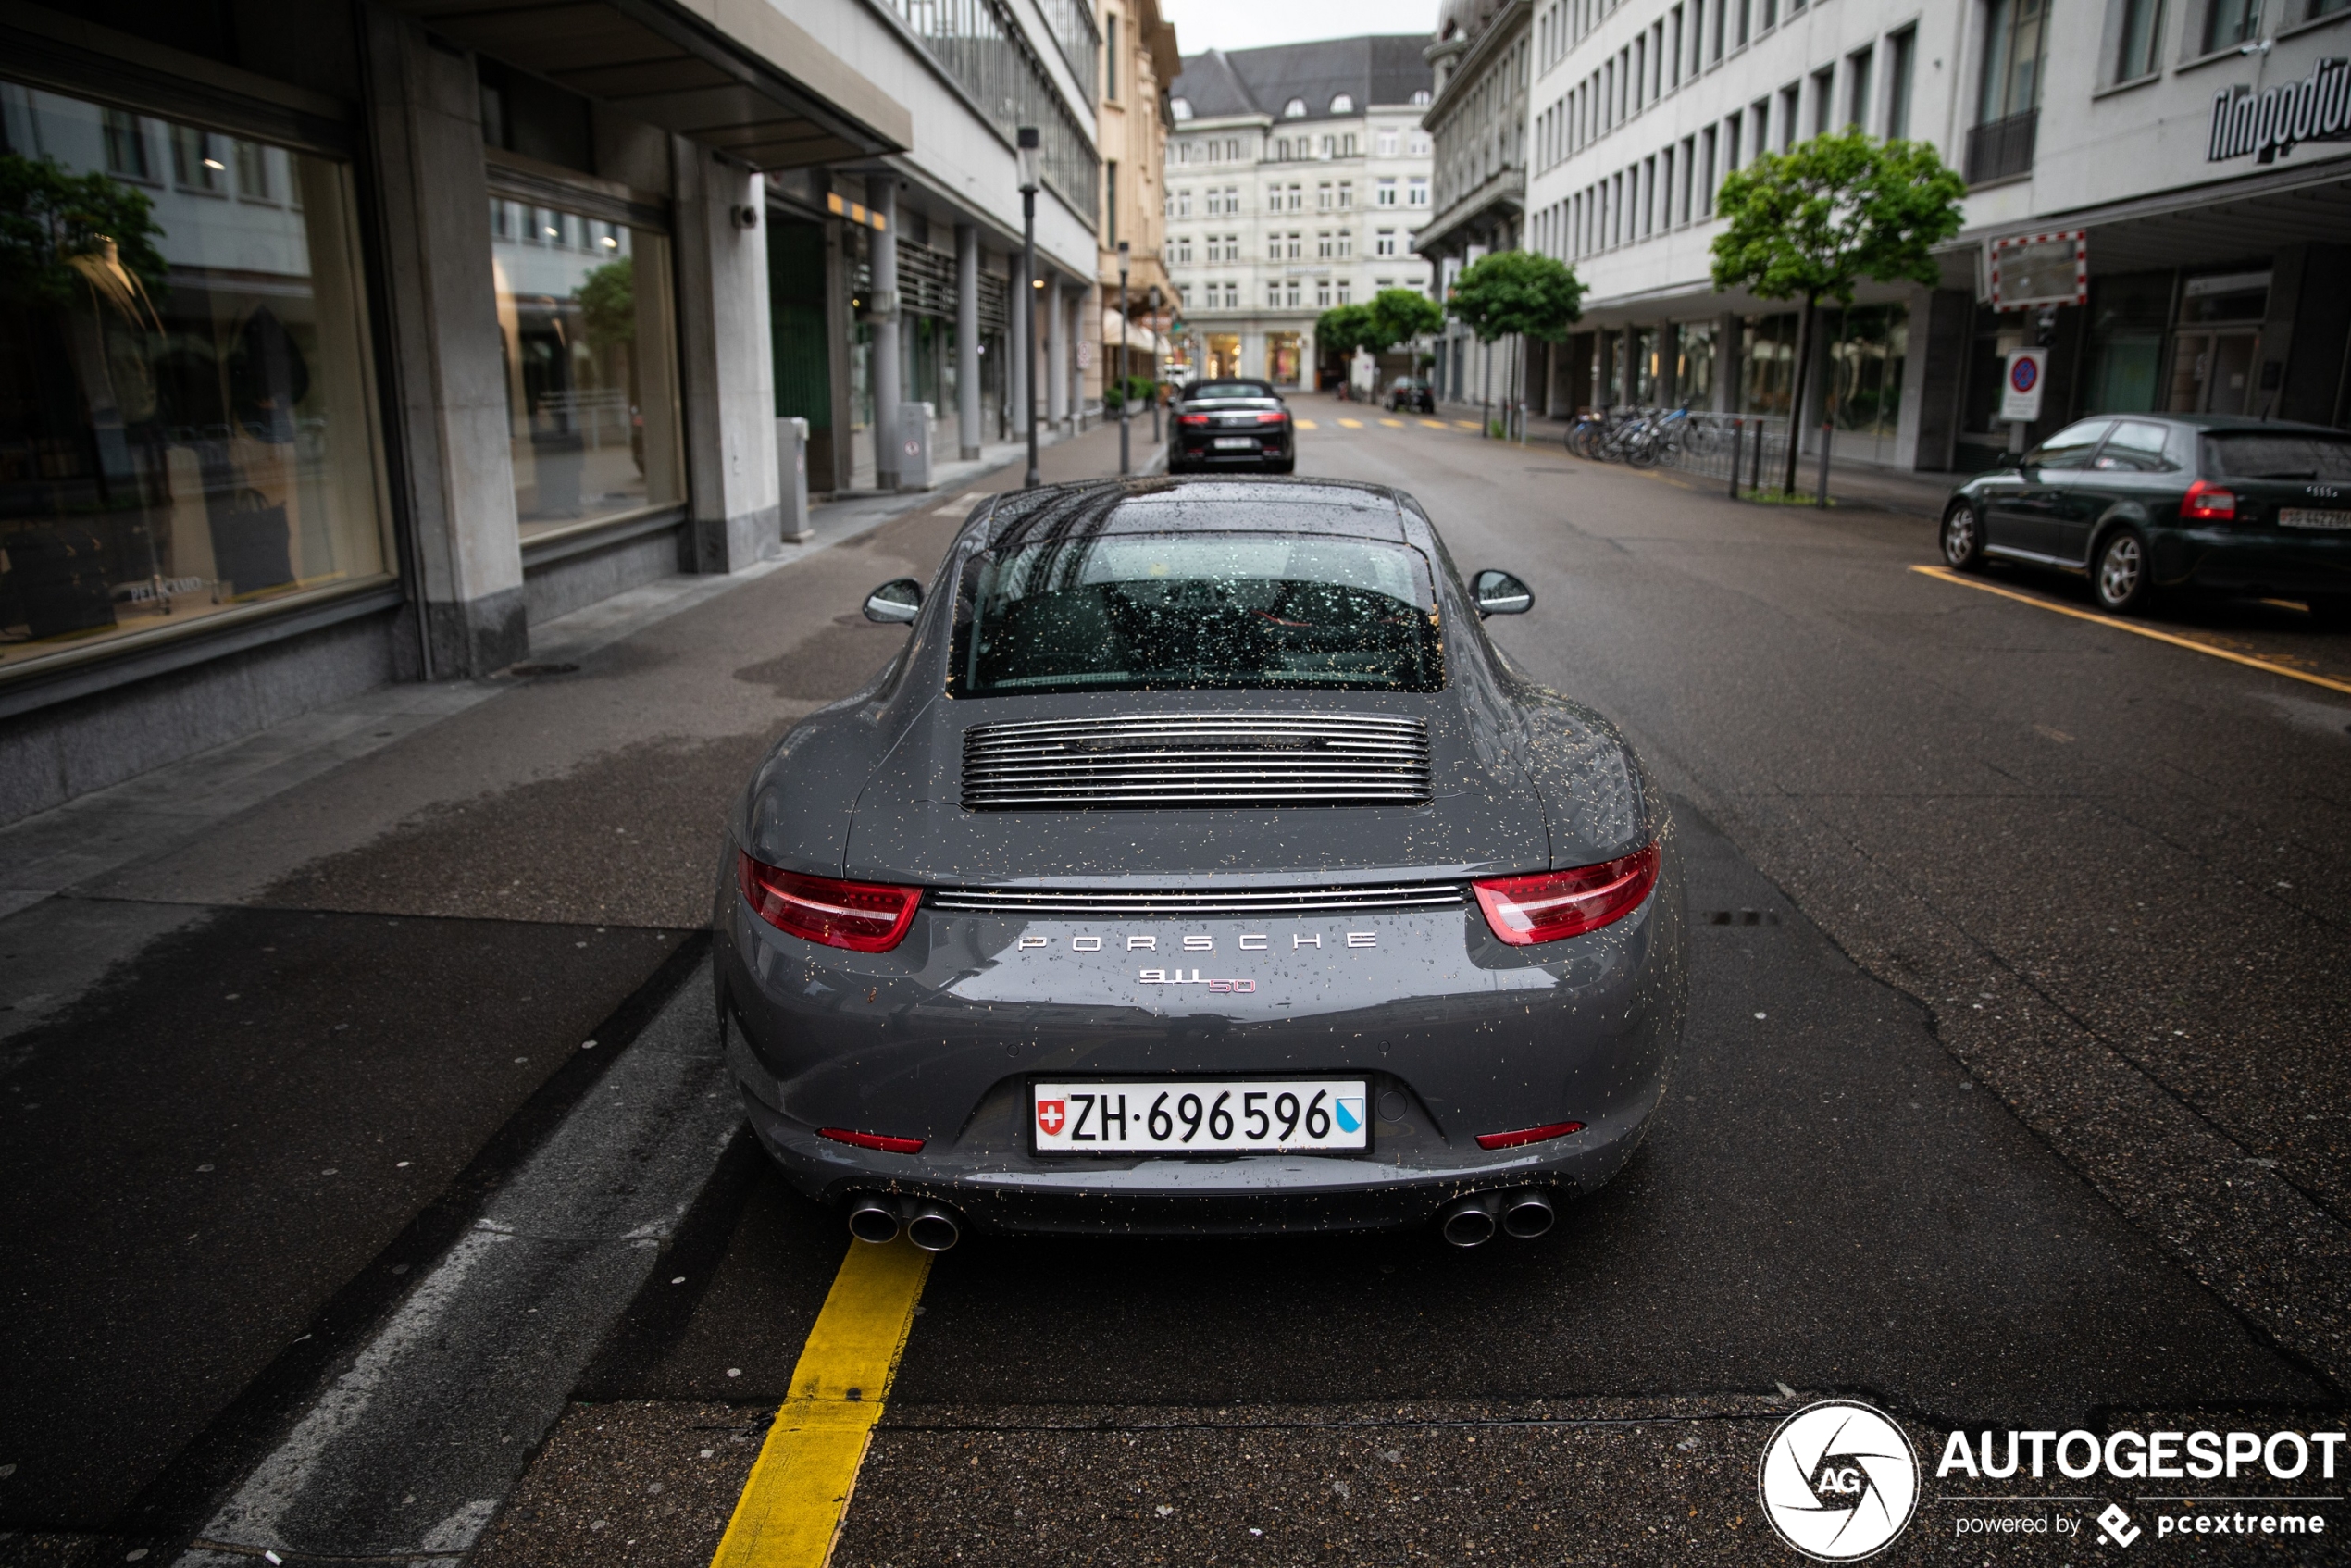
[1934, 1141]
[2012, 1095]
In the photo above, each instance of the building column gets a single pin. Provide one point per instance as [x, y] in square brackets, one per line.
[1018, 341]
[1727, 328]
[881, 197]
[726, 361]
[449, 380]
[966, 341]
[1056, 355]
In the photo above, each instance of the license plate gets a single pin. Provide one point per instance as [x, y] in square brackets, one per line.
[1200, 1118]
[1234, 443]
[2306, 518]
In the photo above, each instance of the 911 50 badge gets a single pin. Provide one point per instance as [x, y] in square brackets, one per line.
[1177, 977]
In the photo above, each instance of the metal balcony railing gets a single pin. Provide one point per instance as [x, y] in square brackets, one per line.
[1999, 148]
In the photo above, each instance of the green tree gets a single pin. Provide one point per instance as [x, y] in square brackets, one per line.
[1343, 329]
[1399, 316]
[608, 302]
[1811, 222]
[1517, 293]
[58, 230]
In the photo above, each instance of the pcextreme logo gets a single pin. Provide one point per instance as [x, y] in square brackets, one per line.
[1839, 1481]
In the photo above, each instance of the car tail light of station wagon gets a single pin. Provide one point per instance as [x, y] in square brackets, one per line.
[861, 916]
[1550, 905]
[2207, 503]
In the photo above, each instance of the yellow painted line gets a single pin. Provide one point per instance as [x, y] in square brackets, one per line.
[1308, 425]
[1441, 425]
[1468, 424]
[792, 1506]
[1945, 574]
[1350, 424]
[1393, 423]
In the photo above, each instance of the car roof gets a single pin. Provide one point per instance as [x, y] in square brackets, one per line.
[2219, 424]
[1216, 504]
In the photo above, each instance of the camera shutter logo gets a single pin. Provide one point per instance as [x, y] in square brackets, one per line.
[1840, 1480]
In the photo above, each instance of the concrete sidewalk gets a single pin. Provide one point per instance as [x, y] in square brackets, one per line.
[264, 1013]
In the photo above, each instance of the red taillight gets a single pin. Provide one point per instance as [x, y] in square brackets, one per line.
[2207, 503]
[1271, 418]
[1553, 905]
[861, 916]
[1529, 1134]
[882, 1142]
[1191, 418]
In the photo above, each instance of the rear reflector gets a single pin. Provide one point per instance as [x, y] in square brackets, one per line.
[861, 916]
[1553, 905]
[1531, 1135]
[882, 1142]
[2207, 503]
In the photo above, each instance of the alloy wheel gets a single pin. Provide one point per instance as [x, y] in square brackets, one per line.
[2121, 565]
[1959, 536]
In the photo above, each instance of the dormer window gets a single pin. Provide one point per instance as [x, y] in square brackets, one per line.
[1179, 108]
[1294, 109]
[1420, 98]
[1343, 105]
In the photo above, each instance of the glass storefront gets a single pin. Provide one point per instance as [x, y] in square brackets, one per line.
[1694, 365]
[1867, 346]
[1282, 358]
[186, 415]
[2128, 315]
[1768, 364]
[584, 322]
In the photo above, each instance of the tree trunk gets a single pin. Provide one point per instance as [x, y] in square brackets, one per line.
[1803, 385]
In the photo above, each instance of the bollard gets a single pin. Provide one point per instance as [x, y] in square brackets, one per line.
[1738, 431]
[1821, 488]
[792, 470]
[1755, 479]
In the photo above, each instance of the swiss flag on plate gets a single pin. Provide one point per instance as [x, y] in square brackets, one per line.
[1050, 1113]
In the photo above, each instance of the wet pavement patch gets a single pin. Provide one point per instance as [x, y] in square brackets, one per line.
[226, 1129]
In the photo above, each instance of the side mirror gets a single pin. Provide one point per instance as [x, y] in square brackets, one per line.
[895, 603]
[1499, 593]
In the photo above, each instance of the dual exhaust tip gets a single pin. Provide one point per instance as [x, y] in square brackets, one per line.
[1472, 1222]
[875, 1218]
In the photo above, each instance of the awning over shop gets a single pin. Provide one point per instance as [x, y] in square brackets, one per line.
[740, 77]
[1139, 338]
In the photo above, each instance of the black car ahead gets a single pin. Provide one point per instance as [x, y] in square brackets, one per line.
[1409, 394]
[1232, 424]
[2143, 503]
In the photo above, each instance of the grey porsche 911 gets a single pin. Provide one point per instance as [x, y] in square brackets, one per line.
[1198, 867]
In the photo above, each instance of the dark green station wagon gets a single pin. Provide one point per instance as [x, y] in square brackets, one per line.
[2146, 503]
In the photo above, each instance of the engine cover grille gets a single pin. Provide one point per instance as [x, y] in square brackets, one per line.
[1254, 901]
[1196, 760]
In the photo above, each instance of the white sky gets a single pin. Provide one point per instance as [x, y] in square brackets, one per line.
[1248, 24]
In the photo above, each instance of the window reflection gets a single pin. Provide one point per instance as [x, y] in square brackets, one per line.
[584, 323]
[185, 427]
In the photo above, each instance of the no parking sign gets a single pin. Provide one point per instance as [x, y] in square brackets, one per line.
[2021, 387]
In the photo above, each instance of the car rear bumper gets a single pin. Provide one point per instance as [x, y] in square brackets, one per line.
[1454, 1034]
[1204, 453]
[2250, 561]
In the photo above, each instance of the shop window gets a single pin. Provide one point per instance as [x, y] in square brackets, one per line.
[1866, 347]
[2128, 316]
[2135, 48]
[185, 423]
[591, 370]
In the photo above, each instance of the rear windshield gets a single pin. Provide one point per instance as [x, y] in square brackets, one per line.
[2283, 455]
[1145, 612]
[1204, 389]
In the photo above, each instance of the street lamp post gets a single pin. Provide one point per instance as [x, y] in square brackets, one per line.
[1124, 413]
[1159, 351]
[1028, 143]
